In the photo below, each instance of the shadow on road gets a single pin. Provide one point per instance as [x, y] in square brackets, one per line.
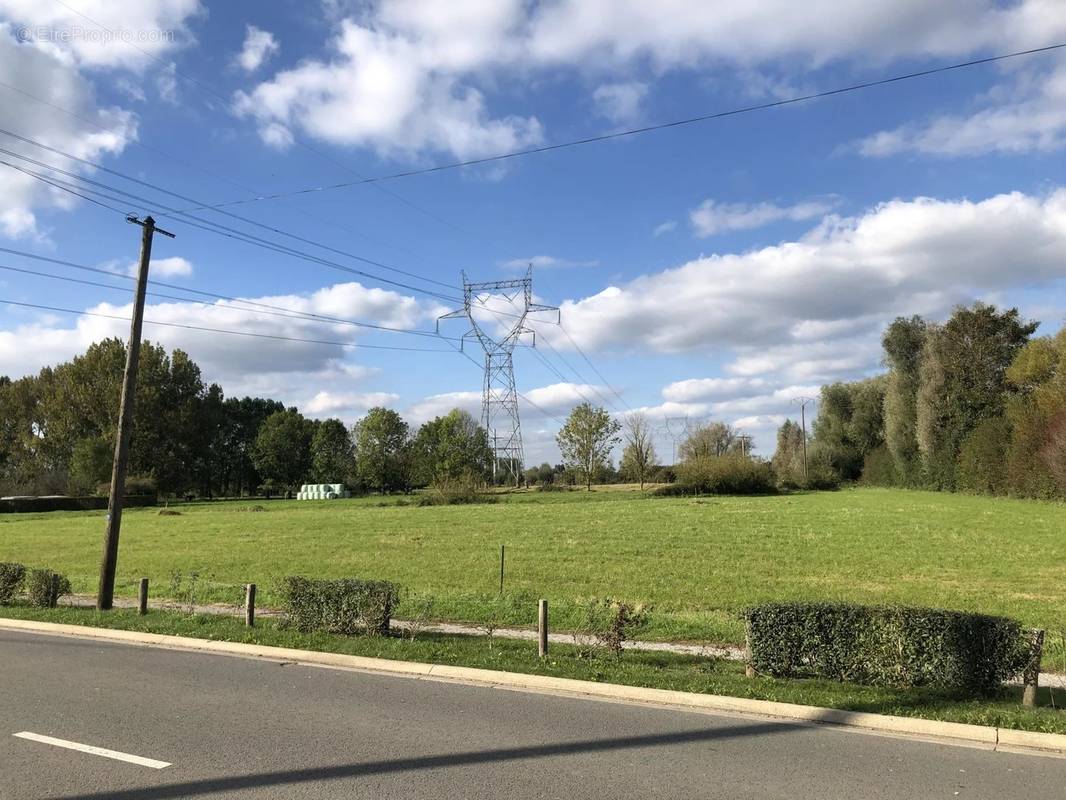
[208, 786]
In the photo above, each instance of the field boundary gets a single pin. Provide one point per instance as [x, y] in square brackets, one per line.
[951, 733]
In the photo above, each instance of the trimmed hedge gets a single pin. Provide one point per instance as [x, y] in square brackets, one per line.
[886, 645]
[11, 577]
[21, 505]
[343, 606]
[45, 592]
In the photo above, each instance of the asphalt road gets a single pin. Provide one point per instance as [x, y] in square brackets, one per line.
[243, 728]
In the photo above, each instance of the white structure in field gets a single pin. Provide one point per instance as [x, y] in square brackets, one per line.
[322, 491]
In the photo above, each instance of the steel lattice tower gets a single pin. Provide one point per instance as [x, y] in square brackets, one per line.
[499, 400]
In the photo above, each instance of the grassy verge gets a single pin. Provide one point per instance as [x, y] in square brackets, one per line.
[655, 670]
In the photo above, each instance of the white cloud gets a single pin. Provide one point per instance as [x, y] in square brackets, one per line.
[396, 91]
[711, 389]
[1028, 114]
[620, 102]
[99, 132]
[166, 83]
[101, 33]
[349, 406]
[666, 227]
[171, 267]
[413, 76]
[545, 262]
[710, 217]
[259, 46]
[438, 405]
[234, 361]
[813, 308]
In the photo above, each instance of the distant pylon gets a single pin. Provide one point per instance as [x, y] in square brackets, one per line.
[498, 330]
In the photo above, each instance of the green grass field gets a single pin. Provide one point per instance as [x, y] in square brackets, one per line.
[696, 561]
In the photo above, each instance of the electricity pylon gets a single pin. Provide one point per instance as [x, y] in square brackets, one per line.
[498, 331]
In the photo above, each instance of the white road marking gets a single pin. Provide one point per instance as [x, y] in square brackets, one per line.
[96, 751]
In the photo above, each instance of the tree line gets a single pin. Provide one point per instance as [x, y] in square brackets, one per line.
[57, 434]
[976, 404]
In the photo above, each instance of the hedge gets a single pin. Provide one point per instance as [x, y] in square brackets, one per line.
[886, 645]
[20, 505]
[45, 587]
[343, 606]
[11, 578]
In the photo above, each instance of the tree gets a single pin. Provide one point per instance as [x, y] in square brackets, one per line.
[332, 453]
[282, 451]
[788, 457]
[964, 381]
[849, 425]
[903, 342]
[452, 446]
[382, 450]
[638, 457]
[586, 440]
[708, 441]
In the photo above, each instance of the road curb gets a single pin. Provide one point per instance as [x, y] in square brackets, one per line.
[954, 733]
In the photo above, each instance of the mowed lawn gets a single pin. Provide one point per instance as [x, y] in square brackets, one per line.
[696, 561]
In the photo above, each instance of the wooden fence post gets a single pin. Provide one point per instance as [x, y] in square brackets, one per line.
[142, 597]
[1031, 676]
[53, 591]
[542, 628]
[249, 605]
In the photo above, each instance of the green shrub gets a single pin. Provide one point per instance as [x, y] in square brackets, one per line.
[728, 474]
[464, 490]
[344, 606]
[611, 623]
[12, 576]
[878, 468]
[886, 645]
[45, 587]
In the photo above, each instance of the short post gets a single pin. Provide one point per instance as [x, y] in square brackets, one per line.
[249, 605]
[749, 670]
[53, 591]
[501, 568]
[142, 597]
[1031, 676]
[542, 628]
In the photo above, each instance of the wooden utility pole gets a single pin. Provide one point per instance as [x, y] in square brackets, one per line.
[106, 593]
[803, 401]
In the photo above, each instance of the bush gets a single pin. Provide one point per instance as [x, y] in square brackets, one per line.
[886, 645]
[454, 492]
[344, 606]
[45, 587]
[983, 458]
[878, 468]
[728, 474]
[135, 485]
[611, 623]
[11, 578]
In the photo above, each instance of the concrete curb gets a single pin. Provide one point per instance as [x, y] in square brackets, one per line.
[953, 733]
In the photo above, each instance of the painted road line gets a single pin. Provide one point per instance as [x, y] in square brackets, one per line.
[96, 751]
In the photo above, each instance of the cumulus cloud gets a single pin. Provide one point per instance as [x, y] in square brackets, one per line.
[620, 102]
[171, 267]
[404, 76]
[813, 308]
[99, 132]
[1026, 114]
[711, 217]
[348, 406]
[103, 34]
[259, 46]
[233, 360]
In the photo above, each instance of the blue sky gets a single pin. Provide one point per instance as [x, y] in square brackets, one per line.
[708, 271]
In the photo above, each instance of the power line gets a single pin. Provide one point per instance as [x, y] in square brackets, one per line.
[185, 214]
[222, 330]
[277, 310]
[214, 227]
[855, 87]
